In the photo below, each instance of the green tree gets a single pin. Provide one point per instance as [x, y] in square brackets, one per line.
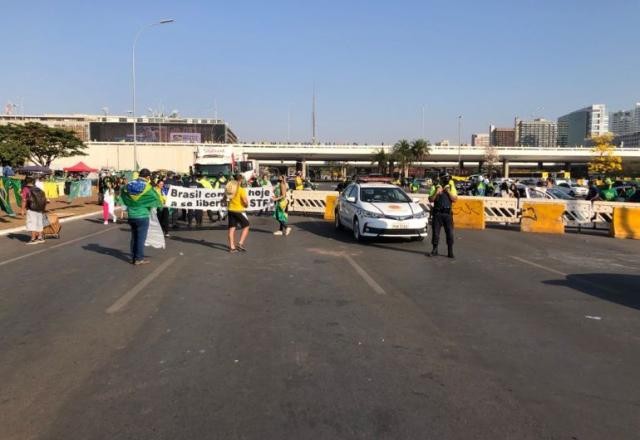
[420, 149]
[605, 160]
[45, 144]
[11, 151]
[404, 155]
[382, 159]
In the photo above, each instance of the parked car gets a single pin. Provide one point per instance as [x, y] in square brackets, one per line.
[573, 189]
[528, 192]
[379, 210]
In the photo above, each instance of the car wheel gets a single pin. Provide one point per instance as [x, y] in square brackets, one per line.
[337, 223]
[356, 230]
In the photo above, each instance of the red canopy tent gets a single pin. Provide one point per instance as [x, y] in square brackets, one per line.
[80, 167]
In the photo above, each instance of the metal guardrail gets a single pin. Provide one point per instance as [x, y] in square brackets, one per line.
[497, 210]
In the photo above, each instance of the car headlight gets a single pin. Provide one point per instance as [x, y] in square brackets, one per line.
[370, 214]
[421, 214]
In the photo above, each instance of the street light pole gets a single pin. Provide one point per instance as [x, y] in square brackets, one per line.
[133, 75]
[459, 145]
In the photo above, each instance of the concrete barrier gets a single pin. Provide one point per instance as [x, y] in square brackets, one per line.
[330, 208]
[468, 213]
[626, 222]
[542, 217]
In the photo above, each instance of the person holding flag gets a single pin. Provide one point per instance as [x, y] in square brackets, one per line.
[140, 198]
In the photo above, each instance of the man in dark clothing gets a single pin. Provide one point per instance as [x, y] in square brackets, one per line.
[194, 213]
[594, 191]
[173, 180]
[443, 196]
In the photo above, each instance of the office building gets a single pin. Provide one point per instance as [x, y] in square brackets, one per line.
[625, 122]
[443, 143]
[539, 133]
[576, 128]
[480, 140]
[502, 137]
[99, 128]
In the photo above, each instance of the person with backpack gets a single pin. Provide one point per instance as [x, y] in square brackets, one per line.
[34, 202]
[237, 203]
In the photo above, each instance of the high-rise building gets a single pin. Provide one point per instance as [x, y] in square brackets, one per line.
[538, 133]
[625, 122]
[502, 137]
[480, 140]
[576, 128]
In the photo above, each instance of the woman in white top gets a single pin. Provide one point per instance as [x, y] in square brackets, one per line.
[108, 203]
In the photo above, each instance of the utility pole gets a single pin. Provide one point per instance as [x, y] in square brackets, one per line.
[459, 145]
[313, 116]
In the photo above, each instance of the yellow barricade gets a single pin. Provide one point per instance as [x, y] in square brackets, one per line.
[626, 223]
[542, 217]
[468, 213]
[330, 208]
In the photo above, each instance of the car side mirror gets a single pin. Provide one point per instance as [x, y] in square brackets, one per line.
[351, 199]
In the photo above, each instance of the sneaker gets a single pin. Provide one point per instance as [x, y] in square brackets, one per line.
[106, 222]
[140, 262]
[233, 251]
[32, 242]
[287, 231]
[277, 233]
[241, 247]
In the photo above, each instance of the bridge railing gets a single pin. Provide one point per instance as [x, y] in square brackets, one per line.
[580, 214]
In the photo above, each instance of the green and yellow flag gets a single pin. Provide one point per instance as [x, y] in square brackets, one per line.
[139, 196]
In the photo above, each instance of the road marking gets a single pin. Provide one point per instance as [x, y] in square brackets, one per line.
[75, 240]
[365, 276]
[131, 294]
[539, 266]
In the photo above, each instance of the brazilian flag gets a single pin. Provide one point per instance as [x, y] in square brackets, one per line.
[6, 185]
[139, 196]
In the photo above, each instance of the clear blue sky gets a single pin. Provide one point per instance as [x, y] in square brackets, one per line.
[374, 63]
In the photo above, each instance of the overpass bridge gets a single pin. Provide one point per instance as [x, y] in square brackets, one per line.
[178, 156]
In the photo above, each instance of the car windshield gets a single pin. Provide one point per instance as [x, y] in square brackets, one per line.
[383, 195]
[559, 194]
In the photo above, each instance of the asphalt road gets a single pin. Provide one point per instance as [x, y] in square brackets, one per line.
[313, 336]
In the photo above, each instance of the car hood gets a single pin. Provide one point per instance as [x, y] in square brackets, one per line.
[393, 209]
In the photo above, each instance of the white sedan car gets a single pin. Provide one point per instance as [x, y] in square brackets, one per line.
[380, 210]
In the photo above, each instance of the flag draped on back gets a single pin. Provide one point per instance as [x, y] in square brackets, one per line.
[140, 194]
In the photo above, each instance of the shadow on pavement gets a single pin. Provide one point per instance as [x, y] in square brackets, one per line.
[621, 289]
[218, 246]
[20, 237]
[116, 253]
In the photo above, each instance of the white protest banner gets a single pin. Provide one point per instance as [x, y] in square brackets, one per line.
[214, 199]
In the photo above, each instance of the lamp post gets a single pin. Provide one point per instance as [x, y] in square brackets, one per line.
[133, 74]
[459, 145]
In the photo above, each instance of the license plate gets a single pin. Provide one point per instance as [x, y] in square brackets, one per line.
[400, 226]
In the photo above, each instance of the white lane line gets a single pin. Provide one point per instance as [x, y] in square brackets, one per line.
[539, 266]
[66, 243]
[131, 294]
[68, 219]
[365, 276]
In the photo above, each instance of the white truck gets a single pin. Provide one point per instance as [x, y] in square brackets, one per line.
[211, 161]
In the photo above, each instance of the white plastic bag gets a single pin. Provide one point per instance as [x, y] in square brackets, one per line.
[155, 236]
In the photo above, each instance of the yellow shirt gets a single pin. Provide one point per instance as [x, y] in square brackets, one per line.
[299, 183]
[235, 204]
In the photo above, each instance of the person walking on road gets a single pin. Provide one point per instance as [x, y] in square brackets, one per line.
[237, 205]
[140, 198]
[443, 196]
[34, 203]
[280, 200]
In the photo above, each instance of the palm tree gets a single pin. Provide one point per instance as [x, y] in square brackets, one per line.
[420, 149]
[402, 151]
[382, 159]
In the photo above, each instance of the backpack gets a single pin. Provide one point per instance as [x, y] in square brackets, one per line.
[37, 200]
